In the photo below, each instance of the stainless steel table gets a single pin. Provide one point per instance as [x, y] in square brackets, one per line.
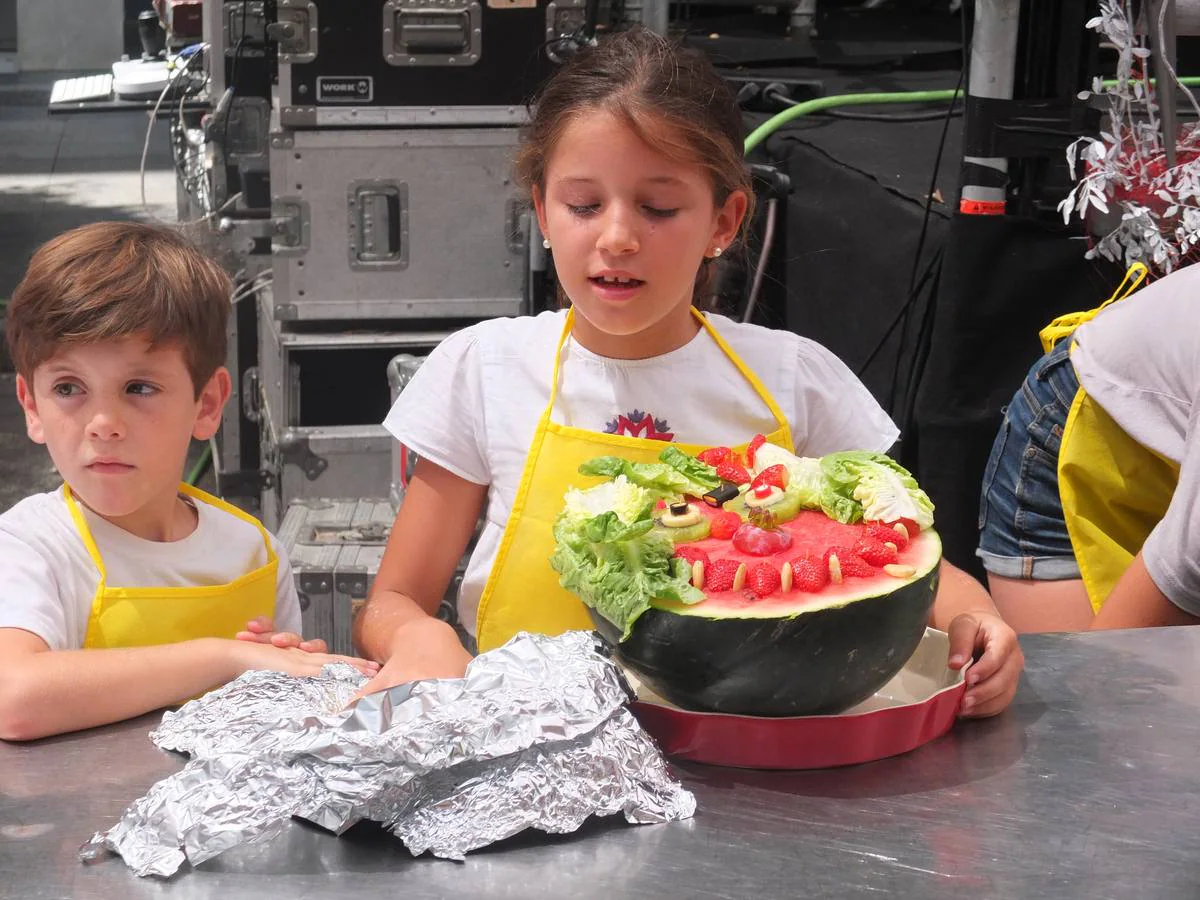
[1086, 788]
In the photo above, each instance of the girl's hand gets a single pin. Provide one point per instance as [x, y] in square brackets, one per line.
[424, 648]
[993, 677]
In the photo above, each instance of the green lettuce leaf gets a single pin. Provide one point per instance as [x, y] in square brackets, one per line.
[675, 475]
[860, 485]
[805, 478]
[611, 560]
[701, 475]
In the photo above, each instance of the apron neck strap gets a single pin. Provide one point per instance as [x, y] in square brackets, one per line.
[195, 493]
[85, 532]
[746, 371]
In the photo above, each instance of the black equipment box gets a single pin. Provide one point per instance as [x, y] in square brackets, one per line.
[350, 63]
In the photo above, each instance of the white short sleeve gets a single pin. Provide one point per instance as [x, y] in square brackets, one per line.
[834, 411]
[1172, 551]
[441, 414]
[30, 593]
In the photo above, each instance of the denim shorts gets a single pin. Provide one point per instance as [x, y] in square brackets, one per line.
[1022, 531]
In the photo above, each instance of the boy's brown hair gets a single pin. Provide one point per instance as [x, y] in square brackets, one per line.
[111, 280]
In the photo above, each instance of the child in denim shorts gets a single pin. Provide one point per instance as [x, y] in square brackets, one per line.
[1138, 361]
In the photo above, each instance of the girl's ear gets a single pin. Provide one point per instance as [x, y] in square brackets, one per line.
[729, 219]
[539, 207]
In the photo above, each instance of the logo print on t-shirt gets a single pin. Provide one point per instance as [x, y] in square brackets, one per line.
[641, 425]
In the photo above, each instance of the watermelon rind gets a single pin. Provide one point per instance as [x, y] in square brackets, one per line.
[821, 656]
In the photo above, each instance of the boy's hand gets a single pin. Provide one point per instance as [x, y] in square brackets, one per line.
[993, 677]
[423, 649]
[262, 631]
[249, 655]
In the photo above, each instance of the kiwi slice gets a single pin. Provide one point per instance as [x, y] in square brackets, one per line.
[783, 511]
[686, 534]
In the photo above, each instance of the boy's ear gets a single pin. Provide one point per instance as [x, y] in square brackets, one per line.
[211, 403]
[33, 422]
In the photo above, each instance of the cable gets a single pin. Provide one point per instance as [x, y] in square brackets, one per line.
[1165, 57]
[912, 279]
[820, 104]
[146, 144]
[761, 268]
[808, 107]
[172, 81]
[932, 116]
[214, 453]
[253, 286]
[198, 469]
[934, 261]
[232, 86]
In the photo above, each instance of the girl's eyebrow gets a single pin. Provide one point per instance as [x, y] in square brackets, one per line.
[653, 179]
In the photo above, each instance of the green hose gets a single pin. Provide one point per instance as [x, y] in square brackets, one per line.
[760, 134]
[763, 131]
[201, 464]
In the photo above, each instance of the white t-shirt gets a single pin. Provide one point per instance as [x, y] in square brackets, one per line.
[48, 580]
[474, 404]
[1140, 360]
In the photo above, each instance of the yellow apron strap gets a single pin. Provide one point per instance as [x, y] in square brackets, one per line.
[1066, 324]
[85, 533]
[211, 500]
[746, 372]
[89, 543]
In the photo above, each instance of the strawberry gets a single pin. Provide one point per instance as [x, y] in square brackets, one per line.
[910, 526]
[752, 448]
[809, 575]
[763, 580]
[734, 471]
[852, 565]
[724, 525]
[692, 554]
[714, 456]
[771, 476]
[886, 535]
[720, 575]
[875, 551]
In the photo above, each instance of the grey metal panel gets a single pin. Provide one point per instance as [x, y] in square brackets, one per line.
[357, 566]
[334, 546]
[345, 460]
[319, 461]
[466, 228]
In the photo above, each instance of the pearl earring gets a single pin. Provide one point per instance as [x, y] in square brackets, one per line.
[546, 243]
[716, 252]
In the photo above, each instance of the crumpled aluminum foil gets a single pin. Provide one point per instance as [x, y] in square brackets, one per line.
[536, 735]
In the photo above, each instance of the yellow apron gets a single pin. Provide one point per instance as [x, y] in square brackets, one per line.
[1113, 489]
[145, 616]
[522, 592]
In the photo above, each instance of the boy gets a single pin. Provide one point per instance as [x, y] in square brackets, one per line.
[123, 591]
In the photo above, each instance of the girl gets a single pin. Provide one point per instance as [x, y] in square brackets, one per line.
[1090, 507]
[634, 164]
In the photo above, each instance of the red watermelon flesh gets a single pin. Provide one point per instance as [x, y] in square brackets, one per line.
[813, 534]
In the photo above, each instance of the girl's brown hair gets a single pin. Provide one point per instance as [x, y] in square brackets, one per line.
[117, 279]
[670, 96]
